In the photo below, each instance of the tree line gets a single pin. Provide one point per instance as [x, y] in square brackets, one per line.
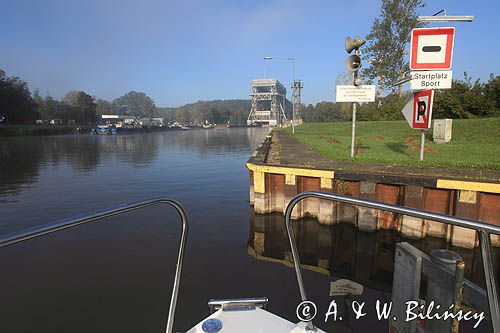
[465, 99]
[19, 106]
[234, 112]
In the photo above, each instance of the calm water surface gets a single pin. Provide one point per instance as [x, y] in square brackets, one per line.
[117, 276]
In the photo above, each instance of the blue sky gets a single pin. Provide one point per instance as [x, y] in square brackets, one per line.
[183, 51]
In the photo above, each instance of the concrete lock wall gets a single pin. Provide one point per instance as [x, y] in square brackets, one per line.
[272, 187]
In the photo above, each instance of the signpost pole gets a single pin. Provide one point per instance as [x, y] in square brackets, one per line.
[294, 92]
[353, 128]
[354, 77]
[358, 92]
[422, 142]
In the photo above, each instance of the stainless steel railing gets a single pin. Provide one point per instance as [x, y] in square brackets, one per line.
[484, 230]
[49, 228]
[237, 303]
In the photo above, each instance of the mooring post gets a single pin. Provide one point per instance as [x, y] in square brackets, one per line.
[445, 295]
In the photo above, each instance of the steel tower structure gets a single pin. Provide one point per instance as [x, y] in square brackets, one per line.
[296, 93]
[268, 103]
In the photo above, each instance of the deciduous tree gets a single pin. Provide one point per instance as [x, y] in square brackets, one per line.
[387, 43]
[136, 104]
[16, 103]
[82, 106]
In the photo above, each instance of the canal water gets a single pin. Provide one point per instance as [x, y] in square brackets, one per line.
[117, 276]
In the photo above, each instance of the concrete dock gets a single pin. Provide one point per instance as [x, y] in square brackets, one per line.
[282, 167]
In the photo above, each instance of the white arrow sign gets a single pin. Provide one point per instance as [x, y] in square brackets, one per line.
[418, 110]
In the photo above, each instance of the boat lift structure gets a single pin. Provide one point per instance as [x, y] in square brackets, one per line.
[268, 103]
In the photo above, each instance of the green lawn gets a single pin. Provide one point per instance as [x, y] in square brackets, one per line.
[475, 143]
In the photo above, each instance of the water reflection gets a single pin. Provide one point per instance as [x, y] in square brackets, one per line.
[219, 140]
[23, 158]
[63, 285]
[123, 269]
[342, 251]
[18, 165]
[138, 150]
[52, 177]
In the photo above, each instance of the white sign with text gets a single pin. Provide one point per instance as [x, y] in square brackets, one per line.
[360, 94]
[421, 80]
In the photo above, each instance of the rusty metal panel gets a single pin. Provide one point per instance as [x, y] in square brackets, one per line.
[436, 201]
[310, 206]
[489, 211]
[389, 194]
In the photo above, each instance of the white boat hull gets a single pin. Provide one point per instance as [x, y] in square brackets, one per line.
[252, 321]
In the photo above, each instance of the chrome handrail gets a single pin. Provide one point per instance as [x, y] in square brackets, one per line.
[49, 228]
[228, 303]
[484, 230]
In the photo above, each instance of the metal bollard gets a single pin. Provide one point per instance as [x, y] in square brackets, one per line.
[446, 258]
[445, 295]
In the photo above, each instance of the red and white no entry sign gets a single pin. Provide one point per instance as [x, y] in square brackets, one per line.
[431, 48]
[418, 110]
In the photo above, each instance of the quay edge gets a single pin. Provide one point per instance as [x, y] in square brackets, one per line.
[273, 184]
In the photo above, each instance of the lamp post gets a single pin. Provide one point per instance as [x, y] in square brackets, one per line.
[445, 17]
[292, 60]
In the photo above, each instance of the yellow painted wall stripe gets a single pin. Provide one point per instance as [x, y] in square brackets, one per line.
[259, 182]
[290, 179]
[468, 186]
[326, 183]
[291, 171]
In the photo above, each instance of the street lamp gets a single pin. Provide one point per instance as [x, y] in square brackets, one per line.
[293, 84]
[445, 18]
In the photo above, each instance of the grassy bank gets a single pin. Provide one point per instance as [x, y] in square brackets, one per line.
[475, 143]
[14, 130]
